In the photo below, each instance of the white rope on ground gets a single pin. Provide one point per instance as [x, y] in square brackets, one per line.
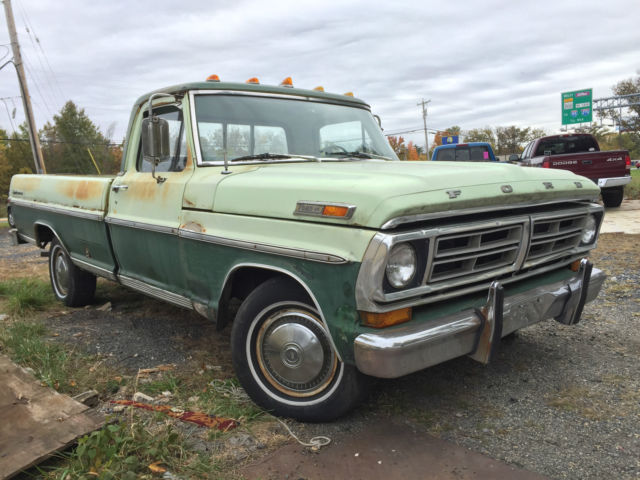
[316, 443]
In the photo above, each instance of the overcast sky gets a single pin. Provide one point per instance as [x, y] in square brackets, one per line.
[480, 62]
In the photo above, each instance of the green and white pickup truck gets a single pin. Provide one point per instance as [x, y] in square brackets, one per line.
[348, 263]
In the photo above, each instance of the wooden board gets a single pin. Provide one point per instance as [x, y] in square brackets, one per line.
[36, 421]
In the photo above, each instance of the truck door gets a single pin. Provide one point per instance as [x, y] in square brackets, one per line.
[144, 214]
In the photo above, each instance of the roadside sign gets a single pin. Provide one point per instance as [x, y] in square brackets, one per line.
[449, 139]
[577, 106]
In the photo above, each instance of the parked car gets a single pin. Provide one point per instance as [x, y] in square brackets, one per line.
[346, 262]
[580, 153]
[465, 152]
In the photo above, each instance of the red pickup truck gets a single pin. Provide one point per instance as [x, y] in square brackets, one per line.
[580, 153]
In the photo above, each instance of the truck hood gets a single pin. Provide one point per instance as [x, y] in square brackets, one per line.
[381, 190]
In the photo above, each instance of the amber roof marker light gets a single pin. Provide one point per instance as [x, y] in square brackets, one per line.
[213, 78]
[287, 82]
[253, 81]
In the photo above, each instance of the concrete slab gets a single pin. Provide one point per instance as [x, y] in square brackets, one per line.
[36, 421]
[624, 219]
[384, 450]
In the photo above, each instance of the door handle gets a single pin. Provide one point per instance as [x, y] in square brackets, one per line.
[117, 188]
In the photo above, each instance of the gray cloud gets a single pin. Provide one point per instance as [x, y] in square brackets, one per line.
[481, 63]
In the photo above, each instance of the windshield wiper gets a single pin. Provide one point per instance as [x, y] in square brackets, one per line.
[359, 154]
[273, 156]
[262, 156]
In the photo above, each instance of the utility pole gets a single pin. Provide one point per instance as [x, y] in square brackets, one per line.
[26, 100]
[424, 119]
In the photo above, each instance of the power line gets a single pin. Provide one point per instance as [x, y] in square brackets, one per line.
[38, 46]
[63, 143]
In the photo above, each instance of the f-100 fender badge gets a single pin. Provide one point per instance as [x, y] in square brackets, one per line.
[548, 185]
[453, 193]
[506, 189]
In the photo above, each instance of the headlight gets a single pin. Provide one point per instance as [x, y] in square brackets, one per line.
[402, 265]
[589, 231]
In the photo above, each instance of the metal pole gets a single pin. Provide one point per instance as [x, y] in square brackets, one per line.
[424, 119]
[26, 99]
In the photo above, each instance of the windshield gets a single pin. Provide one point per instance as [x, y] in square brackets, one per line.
[269, 128]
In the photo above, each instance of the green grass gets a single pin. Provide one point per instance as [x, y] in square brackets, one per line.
[26, 346]
[632, 190]
[120, 451]
[22, 296]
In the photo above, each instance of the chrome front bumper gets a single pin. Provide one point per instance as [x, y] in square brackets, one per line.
[407, 349]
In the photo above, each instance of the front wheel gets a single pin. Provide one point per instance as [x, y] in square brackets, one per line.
[72, 286]
[284, 358]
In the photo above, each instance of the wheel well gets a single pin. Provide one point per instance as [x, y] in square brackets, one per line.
[240, 284]
[43, 235]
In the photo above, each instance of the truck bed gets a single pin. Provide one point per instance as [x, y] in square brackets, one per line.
[71, 208]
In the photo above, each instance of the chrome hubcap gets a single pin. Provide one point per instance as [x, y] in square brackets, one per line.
[61, 270]
[294, 353]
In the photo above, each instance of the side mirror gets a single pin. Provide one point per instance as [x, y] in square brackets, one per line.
[514, 158]
[155, 138]
[155, 142]
[377, 117]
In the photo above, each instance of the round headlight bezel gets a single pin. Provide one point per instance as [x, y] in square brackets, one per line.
[402, 266]
[589, 231]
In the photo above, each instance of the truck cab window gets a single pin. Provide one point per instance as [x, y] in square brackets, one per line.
[176, 161]
[347, 136]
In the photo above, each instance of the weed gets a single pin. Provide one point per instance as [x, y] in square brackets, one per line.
[25, 295]
[48, 361]
[168, 383]
[227, 399]
[632, 189]
[120, 451]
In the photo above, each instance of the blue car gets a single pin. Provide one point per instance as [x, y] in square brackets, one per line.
[465, 152]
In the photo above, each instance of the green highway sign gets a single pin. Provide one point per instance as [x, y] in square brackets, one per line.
[576, 107]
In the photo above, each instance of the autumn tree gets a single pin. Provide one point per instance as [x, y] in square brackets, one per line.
[398, 146]
[71, 140]
[412, 153]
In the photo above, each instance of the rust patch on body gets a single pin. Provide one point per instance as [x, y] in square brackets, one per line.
[193, 227]
[187, 203]
[26, 184]
[189, 163]
[80, 189]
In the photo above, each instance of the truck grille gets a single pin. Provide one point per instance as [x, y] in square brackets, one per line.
[468, 253]
[552, 236]
[462, 255]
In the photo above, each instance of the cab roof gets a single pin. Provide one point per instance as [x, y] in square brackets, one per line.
[257, 88]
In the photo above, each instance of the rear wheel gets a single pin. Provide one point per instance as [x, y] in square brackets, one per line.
[612, 197]
[284, 358]
[72, 286]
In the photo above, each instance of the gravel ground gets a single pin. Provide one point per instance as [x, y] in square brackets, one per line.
[560, 401]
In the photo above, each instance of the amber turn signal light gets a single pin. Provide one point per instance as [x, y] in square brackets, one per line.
[386, 319]
[335, 211]
[575, 266]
